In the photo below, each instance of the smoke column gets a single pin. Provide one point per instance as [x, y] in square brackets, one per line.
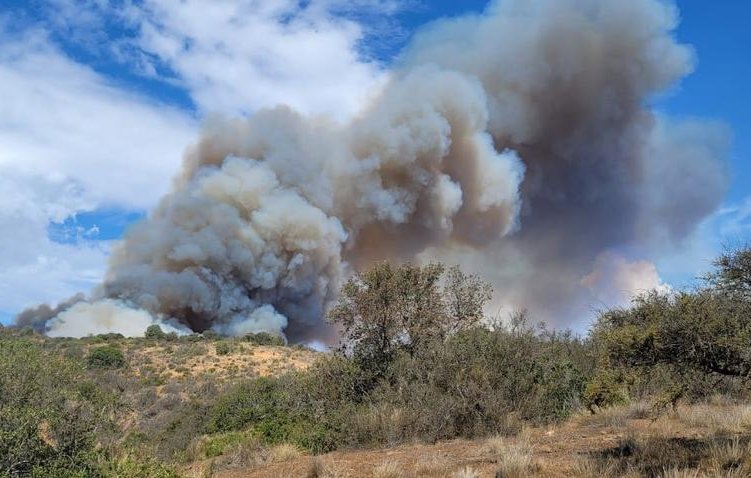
[519, 143]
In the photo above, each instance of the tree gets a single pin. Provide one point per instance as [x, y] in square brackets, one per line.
[732, 272]
[154, 332]
[465, 297]
[701, 333]
[388, 309]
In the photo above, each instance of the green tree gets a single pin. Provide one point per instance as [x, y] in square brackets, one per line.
[154, 332]
[732, 272]
[685, 338]
[388, 309]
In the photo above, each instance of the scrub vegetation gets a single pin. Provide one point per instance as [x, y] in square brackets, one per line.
[419, 367]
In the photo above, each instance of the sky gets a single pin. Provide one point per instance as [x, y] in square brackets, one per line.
[99, 99]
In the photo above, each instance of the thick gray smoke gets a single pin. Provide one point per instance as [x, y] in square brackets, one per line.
[519, 143]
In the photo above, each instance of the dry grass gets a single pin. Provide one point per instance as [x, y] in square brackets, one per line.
[320, 469]
[513, 455]
[616, 417]
[432, 466]
[592, 468]
[389, 469]
[725, 419]
[731, 456]
[467, 472]
[283, 452]
[682, 473]
[190, 360]
[690, 443]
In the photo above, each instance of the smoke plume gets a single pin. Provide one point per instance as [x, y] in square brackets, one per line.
[519, 143]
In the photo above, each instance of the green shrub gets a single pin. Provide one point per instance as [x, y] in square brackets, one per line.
[154, 332]
[253, 402]
[210, 335]
[276, 410]
[223, 348]
[46, 425]
[136, 467]
[604, 390]
[106, 357]
[264, 338]
[216, 445]
[111, 337]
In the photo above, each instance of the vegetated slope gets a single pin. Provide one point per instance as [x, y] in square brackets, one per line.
[221, 360]
[420, 366]
[155, 392]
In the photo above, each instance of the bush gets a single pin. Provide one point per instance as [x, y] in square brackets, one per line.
[478, 382]
[474, 383]
[134, 467]
[264, 338]
[46, 425]
[154, 332]
[223, 348]
[210, 335]
[276, 410]
[606, 389]
[106, 357]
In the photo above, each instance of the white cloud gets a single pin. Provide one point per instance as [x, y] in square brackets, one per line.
[63, 122]
[70, 141]
[237, 56]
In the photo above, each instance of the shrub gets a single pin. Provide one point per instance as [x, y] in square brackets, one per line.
[264, 338]
[210, 335]
[106, 357]
[46, 425]
[477, 381]
[136, 467]
[111, 337]
[223, 348]
[604, 390]
[692, 341]
[277, 410]
[154, 332]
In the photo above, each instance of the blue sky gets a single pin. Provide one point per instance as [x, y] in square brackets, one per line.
[100, 102]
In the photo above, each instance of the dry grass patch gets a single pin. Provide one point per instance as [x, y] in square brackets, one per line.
[432, 466]
[682, 473]
[467, 472]
[320, 469]
[616, 416]
[283, 452]
[670, 456]
[389, 469]
[513, 455]
[719, 420]
[731, 456]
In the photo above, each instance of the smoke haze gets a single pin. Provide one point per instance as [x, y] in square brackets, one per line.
[519, 143]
